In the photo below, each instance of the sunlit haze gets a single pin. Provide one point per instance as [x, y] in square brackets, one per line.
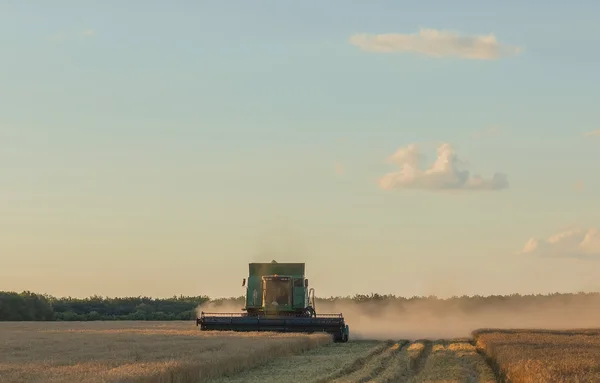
[441, 148]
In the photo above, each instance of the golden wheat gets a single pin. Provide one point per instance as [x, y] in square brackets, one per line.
[527, 356]
[136, 351]
[178, 352]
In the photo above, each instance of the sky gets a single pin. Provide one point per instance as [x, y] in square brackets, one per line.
[407, 148]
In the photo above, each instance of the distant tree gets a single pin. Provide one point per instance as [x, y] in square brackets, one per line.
[29, 306]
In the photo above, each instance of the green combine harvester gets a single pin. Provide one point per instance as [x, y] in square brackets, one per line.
[277, 299]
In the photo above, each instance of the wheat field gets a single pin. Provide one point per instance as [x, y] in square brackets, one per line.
[136, 351]
[178, 352]
[528, 356]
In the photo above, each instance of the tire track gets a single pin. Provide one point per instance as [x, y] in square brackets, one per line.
[412, 362]
[417, 362]
[396, 369]
[454, 360]
[398, 361]
[371, 374]
[357, 364]
[408, 364]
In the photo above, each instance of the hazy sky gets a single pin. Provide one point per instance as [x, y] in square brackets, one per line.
[157, 148]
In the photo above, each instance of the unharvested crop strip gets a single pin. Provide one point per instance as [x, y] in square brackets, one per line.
[499, 374]
[540, 355]
[130, 356]
[201, 372]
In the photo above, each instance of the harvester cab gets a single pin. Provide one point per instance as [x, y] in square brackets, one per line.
[278, 299]
[277, 292]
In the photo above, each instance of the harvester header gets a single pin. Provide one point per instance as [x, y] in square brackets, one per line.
[277, 299]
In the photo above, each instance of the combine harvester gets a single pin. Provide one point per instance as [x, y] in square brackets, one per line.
[278, 300]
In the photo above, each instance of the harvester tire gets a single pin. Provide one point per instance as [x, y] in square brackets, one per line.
[343, 335]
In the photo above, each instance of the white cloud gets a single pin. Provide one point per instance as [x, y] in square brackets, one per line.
[444, 174]
[436, 43]
[88, 33]
[593, 133]
[574, 242]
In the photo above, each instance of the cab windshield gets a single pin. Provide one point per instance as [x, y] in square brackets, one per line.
[277, 291]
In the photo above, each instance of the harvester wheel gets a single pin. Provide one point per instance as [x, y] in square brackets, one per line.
[343, 335]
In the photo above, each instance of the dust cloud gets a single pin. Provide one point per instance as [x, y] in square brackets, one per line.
[451, 318]
[436, 319]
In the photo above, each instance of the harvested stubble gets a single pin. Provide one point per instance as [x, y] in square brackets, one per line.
[454, 361]
[369, 368]
[421, 361]
[405, 364]
[417, 352]
[310, 366]
[377, 362]
[136, 351]
[355, 361]
[524, 356]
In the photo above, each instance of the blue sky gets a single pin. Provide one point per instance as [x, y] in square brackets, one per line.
[157, 149]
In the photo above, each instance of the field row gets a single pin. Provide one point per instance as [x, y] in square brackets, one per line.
[178, 352]
[523, 356]
[367, 361]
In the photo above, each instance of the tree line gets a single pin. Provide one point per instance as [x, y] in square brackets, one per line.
[29, 306]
